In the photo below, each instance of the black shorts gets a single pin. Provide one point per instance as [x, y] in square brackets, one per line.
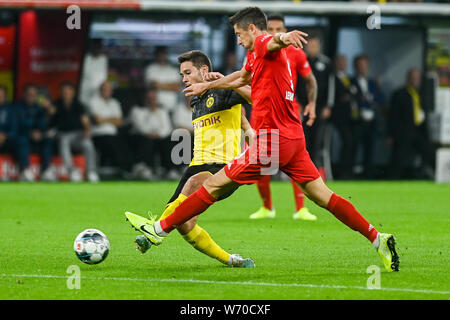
[192, 171]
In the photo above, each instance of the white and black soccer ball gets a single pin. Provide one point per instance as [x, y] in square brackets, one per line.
[91, 246]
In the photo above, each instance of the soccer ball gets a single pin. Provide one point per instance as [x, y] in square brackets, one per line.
[91, 246]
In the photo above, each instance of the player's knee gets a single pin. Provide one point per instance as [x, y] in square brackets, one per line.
[321, 198]
[321, 202]
[195, 182]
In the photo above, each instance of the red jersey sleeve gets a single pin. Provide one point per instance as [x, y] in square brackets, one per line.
[248, 63]
[303, 67]
[261, 45]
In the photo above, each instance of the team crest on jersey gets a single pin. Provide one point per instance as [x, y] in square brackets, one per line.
[210, 102]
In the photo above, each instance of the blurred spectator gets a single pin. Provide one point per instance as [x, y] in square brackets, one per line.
[322, 70]
[408, 132]
[165, 77]
[369, 98]
[182, 118]
[8, 126]
[230, 63]
[344, 116]
[33, 114]
[73, 130]
[106, 114]
[151, 129]
[94, 73]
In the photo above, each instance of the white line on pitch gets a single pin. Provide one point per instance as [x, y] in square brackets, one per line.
[246, 283]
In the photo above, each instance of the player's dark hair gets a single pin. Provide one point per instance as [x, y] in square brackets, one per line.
[247, 16]
[276, 17]
[197, 57]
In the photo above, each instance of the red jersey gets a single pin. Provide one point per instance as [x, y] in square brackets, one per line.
[273, 90]
[299, 65]
[298, 62]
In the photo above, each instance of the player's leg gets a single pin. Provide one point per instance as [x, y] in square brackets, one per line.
[213, 189]
[198, 237]
[217, 187]
[301, 212]
[343, 210]
[300, 168]
[267, 210]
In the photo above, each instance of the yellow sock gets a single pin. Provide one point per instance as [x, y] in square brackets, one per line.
[170, 208]
[202, 241]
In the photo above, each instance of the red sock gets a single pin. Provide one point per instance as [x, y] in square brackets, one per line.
[298, 196]
[347, 214]
[264, 191]
[195, 204]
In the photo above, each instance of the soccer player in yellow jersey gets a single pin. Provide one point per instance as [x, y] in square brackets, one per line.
[218, 120]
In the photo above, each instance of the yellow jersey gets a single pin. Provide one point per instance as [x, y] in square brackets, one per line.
[216, 118]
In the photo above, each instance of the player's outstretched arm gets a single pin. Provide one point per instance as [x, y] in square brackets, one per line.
[244, 91]
[282, 40]
[232, 81]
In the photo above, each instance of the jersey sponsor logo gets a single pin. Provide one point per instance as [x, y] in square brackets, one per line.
[210, 102]
[206, 122]
[289, 96]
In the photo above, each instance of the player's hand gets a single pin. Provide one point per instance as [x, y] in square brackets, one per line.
[295, 38]
[211, 76]
[196, 89]
[310, 111]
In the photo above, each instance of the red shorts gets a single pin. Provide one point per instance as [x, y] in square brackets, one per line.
[270, 153]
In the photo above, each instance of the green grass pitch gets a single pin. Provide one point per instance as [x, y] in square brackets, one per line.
[294, 259]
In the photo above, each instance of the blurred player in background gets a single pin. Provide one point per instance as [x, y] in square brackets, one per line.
[299, 65]
[217, 119]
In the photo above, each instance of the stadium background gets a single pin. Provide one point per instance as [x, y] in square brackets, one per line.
[36, 47]
[295, 259]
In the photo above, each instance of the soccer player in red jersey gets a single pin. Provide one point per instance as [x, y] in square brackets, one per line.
[279, 142]
[299, 65]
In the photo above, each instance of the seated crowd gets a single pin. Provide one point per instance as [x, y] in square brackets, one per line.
[137, 147]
